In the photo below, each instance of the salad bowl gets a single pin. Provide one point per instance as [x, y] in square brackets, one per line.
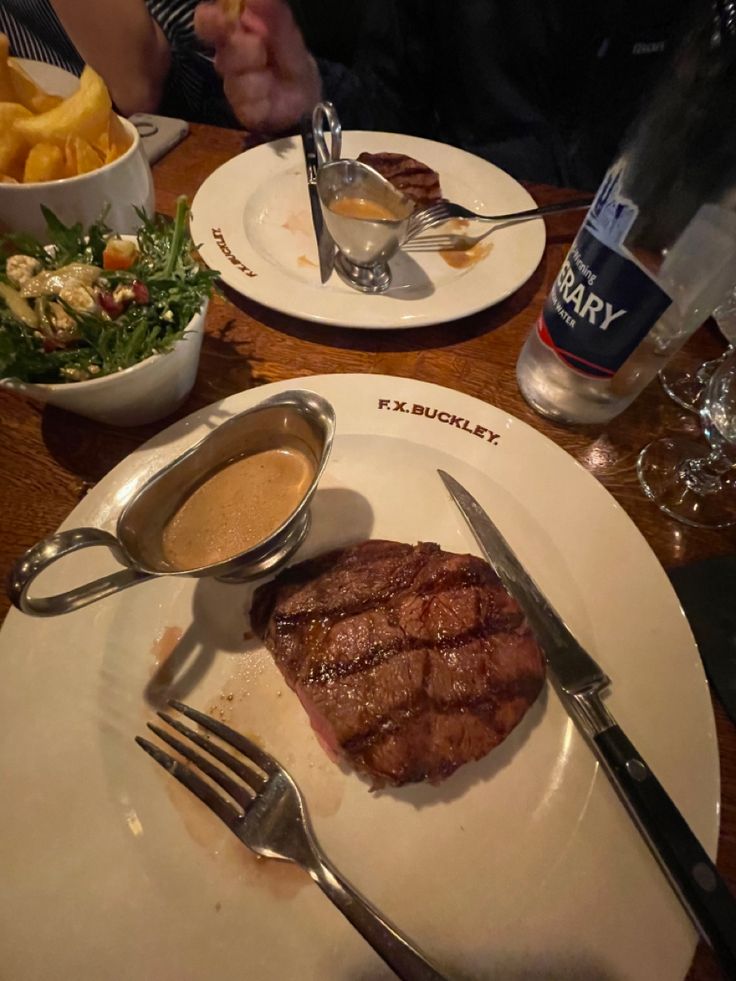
[143, 393]
[106, 326]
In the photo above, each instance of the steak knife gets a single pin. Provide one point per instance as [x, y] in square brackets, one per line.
[325, 244]
[579, 681]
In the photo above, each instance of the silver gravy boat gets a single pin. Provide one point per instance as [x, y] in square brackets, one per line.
[364, 245]
[298, 419]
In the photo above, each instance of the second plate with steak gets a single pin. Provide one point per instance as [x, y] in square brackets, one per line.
[494, 868]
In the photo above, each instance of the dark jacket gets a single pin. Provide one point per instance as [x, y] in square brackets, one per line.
[543, 88]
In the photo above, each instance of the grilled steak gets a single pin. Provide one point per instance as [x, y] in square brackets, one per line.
[409, 660]
[418, 181]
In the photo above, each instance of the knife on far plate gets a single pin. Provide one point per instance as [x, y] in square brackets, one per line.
[325, 244]
[579, 682]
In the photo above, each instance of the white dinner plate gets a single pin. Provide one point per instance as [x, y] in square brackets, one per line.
[523, 864]
[253, 222]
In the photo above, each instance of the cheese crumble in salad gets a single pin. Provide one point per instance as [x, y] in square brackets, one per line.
[90, 303]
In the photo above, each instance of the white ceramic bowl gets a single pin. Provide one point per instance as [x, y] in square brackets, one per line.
[122, 186]
[147, 391]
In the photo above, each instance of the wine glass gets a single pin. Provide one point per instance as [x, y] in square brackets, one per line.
[688, 387]
[691, 481]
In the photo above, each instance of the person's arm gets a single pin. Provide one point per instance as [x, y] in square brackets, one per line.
[124, 44]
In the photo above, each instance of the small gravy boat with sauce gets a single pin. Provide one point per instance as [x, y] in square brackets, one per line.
[192, 518]
[368, 219]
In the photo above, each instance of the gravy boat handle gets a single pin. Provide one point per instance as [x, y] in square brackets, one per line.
[48, 551]
[325, 112]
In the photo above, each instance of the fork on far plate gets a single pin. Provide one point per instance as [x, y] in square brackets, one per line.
[442, 211]
[264, 808]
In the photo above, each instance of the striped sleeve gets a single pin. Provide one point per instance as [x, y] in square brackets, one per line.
[35, 32]
[176, 20]
[193, 88]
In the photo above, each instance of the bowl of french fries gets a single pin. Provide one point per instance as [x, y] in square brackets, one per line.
[73, 155]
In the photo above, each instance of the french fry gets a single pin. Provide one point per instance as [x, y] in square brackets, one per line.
[232, 9]
[44, 137]
[70, 157]
[17, 86]
[117, 135]
[7, 92]
[83, 114]
[13, 147]
[114, 141]
[29, 94]
[102, 143]
[87, 158]
[45, 162]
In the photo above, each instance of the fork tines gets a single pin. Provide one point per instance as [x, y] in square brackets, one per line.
[431, 215]
[254, 777]
[264, 808]
[442, 243]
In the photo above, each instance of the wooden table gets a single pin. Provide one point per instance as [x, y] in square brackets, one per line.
[48, 458]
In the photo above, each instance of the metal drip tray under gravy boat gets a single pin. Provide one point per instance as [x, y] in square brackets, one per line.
[298, 422]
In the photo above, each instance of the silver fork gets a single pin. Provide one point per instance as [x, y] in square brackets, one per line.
[443, 211]
[266, 811]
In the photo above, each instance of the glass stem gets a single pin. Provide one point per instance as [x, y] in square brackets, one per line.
[708, 368]
[704, 476]
[705, 371]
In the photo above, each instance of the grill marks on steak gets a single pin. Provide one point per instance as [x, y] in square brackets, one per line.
[418, 181]
[409, 660]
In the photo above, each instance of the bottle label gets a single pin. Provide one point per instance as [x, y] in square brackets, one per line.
[602, 303]
[612, 214]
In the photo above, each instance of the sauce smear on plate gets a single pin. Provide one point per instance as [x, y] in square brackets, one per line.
[465, 258]
[236, 508]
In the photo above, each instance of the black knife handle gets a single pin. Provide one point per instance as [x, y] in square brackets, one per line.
[310, 151]
[708, 898]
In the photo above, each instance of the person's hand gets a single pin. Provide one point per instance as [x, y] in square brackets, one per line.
[269, 77]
